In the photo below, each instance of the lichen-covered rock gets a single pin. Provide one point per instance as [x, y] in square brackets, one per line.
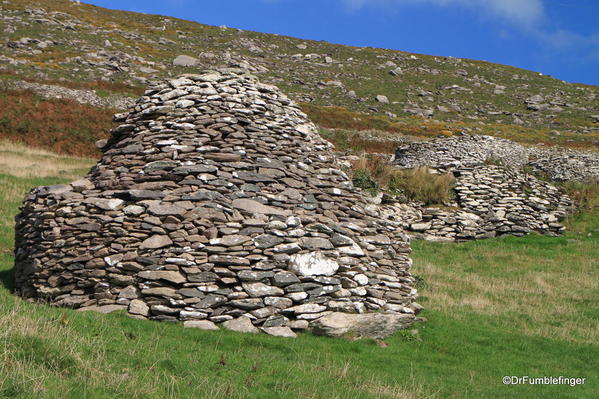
[372, 325]
[215, 199]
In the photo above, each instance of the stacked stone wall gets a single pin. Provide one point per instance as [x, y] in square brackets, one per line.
[215, 199]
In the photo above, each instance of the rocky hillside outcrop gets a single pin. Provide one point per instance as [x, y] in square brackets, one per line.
[216, 201]
[76, 42]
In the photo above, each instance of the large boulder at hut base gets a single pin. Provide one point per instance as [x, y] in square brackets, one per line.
[368, 325]
[215, 201]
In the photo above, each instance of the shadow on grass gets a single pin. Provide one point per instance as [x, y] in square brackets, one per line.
[7, 279]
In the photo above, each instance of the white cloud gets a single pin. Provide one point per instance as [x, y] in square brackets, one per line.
[563, 39]
[526, 13]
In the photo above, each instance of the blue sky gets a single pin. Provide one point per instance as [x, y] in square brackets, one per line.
[556, 37]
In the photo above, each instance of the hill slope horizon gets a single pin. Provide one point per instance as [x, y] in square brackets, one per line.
[117, 52]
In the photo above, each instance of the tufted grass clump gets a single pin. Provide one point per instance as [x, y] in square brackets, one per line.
[422, 185]
[372, 172]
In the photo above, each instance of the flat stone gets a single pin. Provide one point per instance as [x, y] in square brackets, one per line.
[228, 260]
[264, 241]
[315, 243]
[194, 169]
[306, 308]
[166, 209]
[279, 332]
[232, 240]
[203, 195]
[247, 304]
[261, 289]
[278, 302]
[254, 207]
[166, 275]
[223, 157]
[313, 264]
[352, 250]
[105, 203]
[202, 277]
[283, 279]
[155, 242]
[160, 165]
[201, 324]
[299, 324]
[139, 307]
[367, 325]
[185, 61]
[253, 177]
[136, 195]
[212, 300]
[251, 275]
[242, 324]
[133, 210]
[290, 248]
[161, 291]
[105, 309]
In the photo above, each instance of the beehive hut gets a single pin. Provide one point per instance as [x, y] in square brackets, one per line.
[215, 199]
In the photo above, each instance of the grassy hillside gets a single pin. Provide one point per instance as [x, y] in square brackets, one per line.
[513, 306]
[509, 306]
[85, 46]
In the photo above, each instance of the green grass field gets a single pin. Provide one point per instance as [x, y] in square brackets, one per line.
[510, 306]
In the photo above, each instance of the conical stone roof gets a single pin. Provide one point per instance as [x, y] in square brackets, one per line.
[215, 198]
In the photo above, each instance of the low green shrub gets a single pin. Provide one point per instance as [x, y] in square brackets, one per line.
[363, 179]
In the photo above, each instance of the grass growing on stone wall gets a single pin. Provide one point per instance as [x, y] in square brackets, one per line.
[373, 172]
[510, 306]
[421, 185]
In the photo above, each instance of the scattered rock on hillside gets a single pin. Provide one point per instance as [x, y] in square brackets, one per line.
[185, 61]
[382, 99]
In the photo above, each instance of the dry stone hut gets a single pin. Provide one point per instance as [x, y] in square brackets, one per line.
[493, 193]
[216, 201]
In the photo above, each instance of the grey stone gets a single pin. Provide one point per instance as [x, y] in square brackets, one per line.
[279, 332]
[256, 207]
[261, 289]
[201, 324]
[250, 275]
[155, 242]
[230, 240]
[166, 275]
[368, 325]
[242, 324]
[282, 279]
[264, 241]
[185, 61]
[313, 264]
[382, 99]
[139, 307]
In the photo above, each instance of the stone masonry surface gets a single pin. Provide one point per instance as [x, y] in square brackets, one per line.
[215, 199]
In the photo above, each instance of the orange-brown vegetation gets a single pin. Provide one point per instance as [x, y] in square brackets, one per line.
[63, 126]
[342, 118]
